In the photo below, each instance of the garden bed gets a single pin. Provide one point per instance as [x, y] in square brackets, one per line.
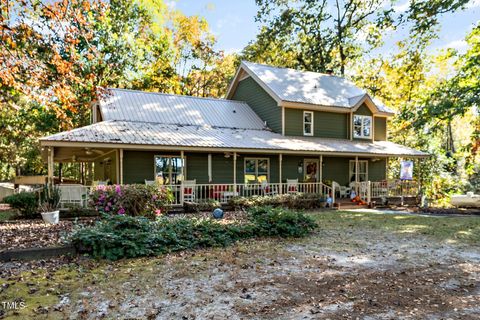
[21, 234]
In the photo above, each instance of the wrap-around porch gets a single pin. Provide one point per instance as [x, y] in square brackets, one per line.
[199, 176]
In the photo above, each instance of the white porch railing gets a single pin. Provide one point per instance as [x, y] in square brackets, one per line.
[224, 192]
[367, 190]
[73, 195]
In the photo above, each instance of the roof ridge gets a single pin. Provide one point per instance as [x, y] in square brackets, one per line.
[178, 95]
[296, 70]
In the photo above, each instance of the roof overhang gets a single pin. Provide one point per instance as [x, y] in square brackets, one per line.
[144, 147]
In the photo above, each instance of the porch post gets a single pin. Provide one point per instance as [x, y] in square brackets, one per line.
[280, 165]
[210, 168]
[182, 169]
[182, 189]
[121, 166]
[234, 172]
[117, 167]
[320, 172]
[356, 169]
[50, 166]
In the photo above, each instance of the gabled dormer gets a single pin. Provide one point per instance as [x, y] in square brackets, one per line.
[299, 103]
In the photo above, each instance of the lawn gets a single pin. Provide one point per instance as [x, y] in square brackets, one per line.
[357, 264]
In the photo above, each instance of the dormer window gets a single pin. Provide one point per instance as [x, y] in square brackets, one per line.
[362, 127]
[307, 123]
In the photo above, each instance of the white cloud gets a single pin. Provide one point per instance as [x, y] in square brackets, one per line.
[401, 7]
[459, 45]
[473, 4]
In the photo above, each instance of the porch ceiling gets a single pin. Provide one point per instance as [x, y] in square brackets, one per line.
[78, 154]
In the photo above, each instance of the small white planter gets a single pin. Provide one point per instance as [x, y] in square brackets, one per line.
[51, 217]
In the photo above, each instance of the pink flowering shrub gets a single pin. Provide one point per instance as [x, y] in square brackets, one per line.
[133, 200]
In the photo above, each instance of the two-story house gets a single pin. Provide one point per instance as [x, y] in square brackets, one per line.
[278, 130]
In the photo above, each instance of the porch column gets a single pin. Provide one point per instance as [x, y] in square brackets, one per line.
[356, 169]
[280, 165]
[210, 179]
[234, 172]
[117, 167]
[182, 169]
[50, 166]
[320, 170]
[121, 166]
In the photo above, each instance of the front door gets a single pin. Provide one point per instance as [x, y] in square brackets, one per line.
[311, 169]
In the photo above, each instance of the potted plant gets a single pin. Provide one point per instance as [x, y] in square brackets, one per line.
[50, 204]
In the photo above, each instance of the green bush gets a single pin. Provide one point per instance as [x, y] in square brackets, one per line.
[25, 202]
[133, 199]
[269, 221]
[292, 201]
[123, 236]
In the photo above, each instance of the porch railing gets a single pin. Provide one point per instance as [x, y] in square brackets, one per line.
[224, 192]
[367, 190]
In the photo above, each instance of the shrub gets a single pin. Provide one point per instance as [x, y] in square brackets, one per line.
[25, 202]
[292, 201]
[121, 236]
[269, 221]
[133, 199]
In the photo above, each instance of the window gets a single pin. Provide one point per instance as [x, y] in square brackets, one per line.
[307, 123]
[256, 170]
[362, 170]
[362, 126]
[168, 169]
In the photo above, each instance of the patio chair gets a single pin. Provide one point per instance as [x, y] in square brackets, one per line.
[336, 188]
[188, 187]
[344, 192]
[292, 186]
[74, 194]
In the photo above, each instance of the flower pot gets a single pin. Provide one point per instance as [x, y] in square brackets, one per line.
[51, 217]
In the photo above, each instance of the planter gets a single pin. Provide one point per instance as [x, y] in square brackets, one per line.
[51, 217]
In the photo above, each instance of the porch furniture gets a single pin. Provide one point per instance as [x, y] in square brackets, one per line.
[73, 194]
[292, 186]
[344, 191]
[149, 182]
[336, 188]
[100, 183]
[188, 188]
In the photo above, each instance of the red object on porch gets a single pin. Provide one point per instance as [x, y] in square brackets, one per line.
[217, 191]
[292, 188]
[187, 190]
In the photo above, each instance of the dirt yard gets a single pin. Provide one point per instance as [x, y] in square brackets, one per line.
[357, 266]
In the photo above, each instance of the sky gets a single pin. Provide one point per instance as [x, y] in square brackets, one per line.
[233, 23]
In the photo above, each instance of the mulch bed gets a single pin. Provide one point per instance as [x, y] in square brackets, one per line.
[22, 234]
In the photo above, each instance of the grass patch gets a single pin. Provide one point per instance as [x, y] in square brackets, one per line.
[449, 229]
[8, 215]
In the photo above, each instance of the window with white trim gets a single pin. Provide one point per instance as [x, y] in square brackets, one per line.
[256, 170]
[362, 170]
[362, 126]
[307, 123]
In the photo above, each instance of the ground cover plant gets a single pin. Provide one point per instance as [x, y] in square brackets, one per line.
[123, 236]
[364, 265]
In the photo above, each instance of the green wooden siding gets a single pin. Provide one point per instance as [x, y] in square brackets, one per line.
[377, 170]
[363, 110]
[261, 102]
[139, 166]
[380, 124]
[325, 124]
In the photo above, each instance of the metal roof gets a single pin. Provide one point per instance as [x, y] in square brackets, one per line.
[309, 87]
[130, 105]
[147, 133]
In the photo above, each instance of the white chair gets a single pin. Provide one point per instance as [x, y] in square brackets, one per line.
[75, 194]
[188, 189]
[335, 187]
[344, 192]
[292, 186]
[149, 182]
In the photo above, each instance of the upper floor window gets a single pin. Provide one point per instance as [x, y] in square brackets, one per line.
[362, 126]
[307, 123]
